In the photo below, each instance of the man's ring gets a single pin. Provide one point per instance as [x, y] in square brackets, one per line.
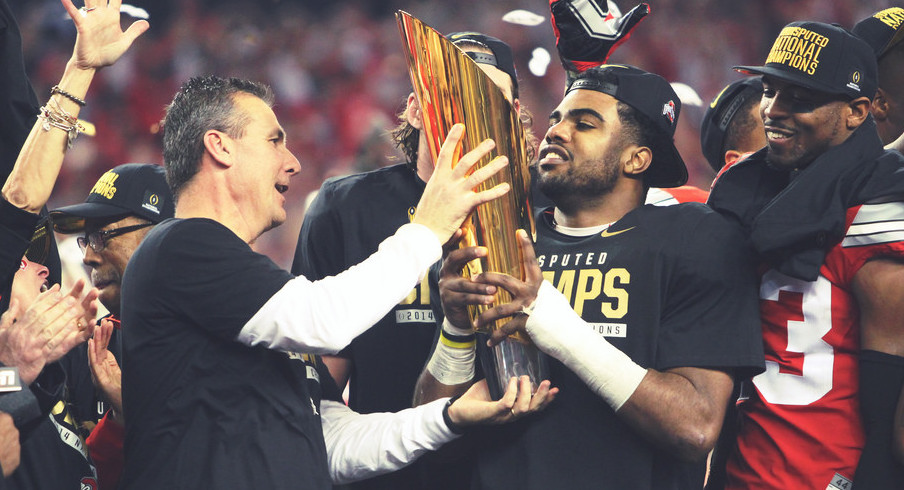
[78, 324]
[85, 10]
[513, 411]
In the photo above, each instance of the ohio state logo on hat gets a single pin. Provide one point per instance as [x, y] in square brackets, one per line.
[668, 110]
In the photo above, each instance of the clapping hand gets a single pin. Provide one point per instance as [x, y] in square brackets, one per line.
[105, 371]
[51, 326]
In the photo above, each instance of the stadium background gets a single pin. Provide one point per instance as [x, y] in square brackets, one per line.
[340, 79]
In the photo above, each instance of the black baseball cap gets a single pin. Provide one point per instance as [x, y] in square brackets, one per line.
[882, 31]
[138, 189]
[823, 57]
[721, 112]
[652, 96]
[501, 58]
[41, 242]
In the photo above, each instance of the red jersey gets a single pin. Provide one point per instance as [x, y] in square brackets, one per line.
[801, 426]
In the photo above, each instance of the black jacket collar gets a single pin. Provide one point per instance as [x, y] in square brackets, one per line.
[794, 217]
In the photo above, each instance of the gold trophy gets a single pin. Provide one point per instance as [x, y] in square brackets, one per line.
[451, 88]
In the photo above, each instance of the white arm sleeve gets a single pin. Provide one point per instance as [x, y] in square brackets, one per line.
[362, 446]
[557, 330]
[324, 316]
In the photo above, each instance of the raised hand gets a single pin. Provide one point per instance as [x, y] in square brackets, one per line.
[588, 31]
[105, 371]
[101, 40]
[449, 196]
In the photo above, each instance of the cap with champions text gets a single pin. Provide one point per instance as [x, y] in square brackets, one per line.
[138, 189]
[652, 96]
[882, 31]
[823, 57]
[501, 58]
[720, 113]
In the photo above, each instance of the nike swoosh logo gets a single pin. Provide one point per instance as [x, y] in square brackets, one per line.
[607, 233]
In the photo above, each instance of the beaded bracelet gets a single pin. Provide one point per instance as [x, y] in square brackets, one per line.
[57, 90]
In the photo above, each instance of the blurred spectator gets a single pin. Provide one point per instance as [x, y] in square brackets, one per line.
[334, 65]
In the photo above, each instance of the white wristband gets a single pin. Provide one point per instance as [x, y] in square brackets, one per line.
[452, 362]
[557, 330]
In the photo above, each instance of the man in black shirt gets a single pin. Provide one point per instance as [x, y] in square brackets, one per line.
[346, 223]
[217, 390]
[647, 313]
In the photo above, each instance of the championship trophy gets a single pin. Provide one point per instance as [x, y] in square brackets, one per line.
[451, 88]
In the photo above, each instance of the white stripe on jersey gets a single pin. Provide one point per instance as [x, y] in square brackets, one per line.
[659, 197]
[876, 224]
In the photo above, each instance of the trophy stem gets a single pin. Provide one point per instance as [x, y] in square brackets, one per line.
[510, 358]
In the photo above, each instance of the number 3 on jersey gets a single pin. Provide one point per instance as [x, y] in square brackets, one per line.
[796, 317]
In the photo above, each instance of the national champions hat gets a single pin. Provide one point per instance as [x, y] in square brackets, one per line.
[721, 112]
[882, 31]
[138, 189]
[651, 95]
[501, 58]
[823, 57]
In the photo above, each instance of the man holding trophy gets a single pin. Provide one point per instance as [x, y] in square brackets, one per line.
[647, 314]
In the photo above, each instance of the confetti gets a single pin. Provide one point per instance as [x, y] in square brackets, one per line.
[687, 94]
[539, 62]
[133, 11]
[523, 17]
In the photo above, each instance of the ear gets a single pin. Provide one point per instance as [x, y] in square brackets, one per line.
[879, 107]
[859, 109]
[732, 156]
[637, 159]
[219, 146]
[413, 113]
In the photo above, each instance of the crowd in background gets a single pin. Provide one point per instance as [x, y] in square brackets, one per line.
[340, 77]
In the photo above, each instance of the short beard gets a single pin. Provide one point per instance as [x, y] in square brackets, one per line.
[593, 180]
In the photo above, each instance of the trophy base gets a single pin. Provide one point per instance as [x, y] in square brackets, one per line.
[510, 358]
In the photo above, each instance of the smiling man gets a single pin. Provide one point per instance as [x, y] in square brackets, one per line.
[822, 205]
[647, 312]
[219, 383]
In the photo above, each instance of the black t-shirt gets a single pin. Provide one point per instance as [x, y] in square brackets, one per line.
[670, 287]
[344, 225]
[205, 411]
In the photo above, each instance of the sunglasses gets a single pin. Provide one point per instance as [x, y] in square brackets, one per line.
[98, 240]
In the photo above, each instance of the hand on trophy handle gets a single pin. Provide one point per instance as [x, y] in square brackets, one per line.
[457, 292]
[449, 196]
[476, 407]
[524, 293]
